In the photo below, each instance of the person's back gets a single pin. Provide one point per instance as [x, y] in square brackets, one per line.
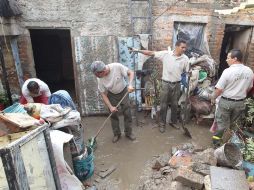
[35, 91]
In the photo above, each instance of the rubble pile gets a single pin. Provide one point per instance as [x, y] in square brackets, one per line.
[190, 167]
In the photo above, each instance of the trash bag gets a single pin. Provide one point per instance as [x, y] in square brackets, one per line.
[200, 106]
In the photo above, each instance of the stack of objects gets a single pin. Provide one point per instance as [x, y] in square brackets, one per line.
[201, 85]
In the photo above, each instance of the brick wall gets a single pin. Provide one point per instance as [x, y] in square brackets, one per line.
[112, 17]
[26, 56]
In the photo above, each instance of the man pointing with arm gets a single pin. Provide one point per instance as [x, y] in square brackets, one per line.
[174, 64]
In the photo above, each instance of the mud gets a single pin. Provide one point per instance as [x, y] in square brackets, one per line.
[132, 158]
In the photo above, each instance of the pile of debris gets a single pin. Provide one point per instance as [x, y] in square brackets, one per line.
[190, 168]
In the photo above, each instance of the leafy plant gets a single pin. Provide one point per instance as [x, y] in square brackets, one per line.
[248, 152]
[3, 99]
[250, 113]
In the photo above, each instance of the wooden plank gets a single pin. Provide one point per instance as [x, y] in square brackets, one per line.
[18, 119]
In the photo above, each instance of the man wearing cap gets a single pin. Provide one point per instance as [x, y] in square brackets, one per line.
[233, 86]
[174, 63]
[112, 87]
[35, 91]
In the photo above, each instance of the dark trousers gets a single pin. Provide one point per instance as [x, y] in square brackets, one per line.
[169, 95]
[125, 107]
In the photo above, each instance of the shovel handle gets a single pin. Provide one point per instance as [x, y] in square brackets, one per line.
[102, 126]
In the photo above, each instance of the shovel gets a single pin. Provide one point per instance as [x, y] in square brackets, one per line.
[92, 141]
[186, 131]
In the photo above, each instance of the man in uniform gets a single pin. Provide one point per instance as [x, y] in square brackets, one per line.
[233, 86]
[113, 88]
[174, 64]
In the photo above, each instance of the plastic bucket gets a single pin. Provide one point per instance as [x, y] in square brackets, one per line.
[228, 155]
[84, 167]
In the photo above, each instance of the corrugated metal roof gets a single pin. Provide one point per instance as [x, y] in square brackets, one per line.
[9, 8]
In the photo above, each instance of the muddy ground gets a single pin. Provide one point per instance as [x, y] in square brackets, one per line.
[130, 157]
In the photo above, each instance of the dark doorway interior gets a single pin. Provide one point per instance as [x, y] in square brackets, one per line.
[235, 36]
[53, 58]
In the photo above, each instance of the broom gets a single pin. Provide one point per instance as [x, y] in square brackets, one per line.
[92, 141]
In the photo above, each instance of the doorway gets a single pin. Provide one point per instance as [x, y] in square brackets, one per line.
[235, 36]
[53, 58]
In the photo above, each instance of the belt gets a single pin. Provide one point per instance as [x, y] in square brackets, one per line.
[234, 100]
[171, 82]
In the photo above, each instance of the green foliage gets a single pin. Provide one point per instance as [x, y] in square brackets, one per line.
[3, 99]
[250, 113]
[248, 152]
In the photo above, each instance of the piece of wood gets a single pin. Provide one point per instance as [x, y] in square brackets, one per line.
[21, 120]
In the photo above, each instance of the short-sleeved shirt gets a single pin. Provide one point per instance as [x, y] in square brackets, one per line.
[114, 82]
[235, 81]
[173, 66]
[44, 90]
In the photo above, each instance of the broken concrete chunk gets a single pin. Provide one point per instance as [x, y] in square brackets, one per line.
[176, 185]
[157, 175]
[188, 178]
[157, 165]
[205, 157]
[178, 161]
[157, 181]
[207, 183]
[166, 170]
[173, 150]
[224, 178]
[203, 169]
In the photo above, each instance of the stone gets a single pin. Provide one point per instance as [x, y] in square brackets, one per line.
[205, 157]
[207, 183]
[177, 161]
[166, 170]
[157, 175]
[203, 169]
[176, 185]
[157, 181]
[157, 165]
[163, 159]
[173, 150]
[188, 178]
[224, 178]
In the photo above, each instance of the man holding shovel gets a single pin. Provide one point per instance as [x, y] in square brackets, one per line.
[113, 89]
[174, 64]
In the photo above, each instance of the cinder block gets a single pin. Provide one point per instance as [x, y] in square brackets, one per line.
[188, 178]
